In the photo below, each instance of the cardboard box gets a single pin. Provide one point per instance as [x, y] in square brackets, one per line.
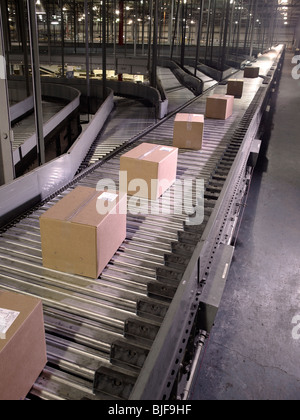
[150, 169]
[188, 131]
[23, 350]
[235, 87]
[82, 232]
[219, 106]
[251, 72]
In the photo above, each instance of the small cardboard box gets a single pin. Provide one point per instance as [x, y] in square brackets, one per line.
[251, 72]
[148, 170]
[219, 106]
[188, 131]
[235, 87]
[23, 346]
[81, 233]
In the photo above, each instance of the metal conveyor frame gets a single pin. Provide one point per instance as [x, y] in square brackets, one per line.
[160, 370]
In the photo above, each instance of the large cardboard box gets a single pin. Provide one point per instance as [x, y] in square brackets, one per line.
[148, 170]
[219, 106]
[251, 72]
[23, 346]
[188, 131]
[235, 87]
[82, 232]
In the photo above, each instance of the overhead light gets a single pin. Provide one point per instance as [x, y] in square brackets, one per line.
[39, 8]
[54, 20]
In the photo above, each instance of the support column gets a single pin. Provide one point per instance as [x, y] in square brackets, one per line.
[62, 32]
[6, 135]
[175, 29]
[104, 49]
[253, 28]
[225, 35]
[20, 8]
[274, 11]
[121, 22]
[154, 46]
[207, 30]
[36, 80]
[143, 28]
[150, 35]
[135, 29]
[199, 36]
[87, 59]
[183, 32]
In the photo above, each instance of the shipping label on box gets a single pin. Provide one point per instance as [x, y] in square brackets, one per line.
[188, 131]
[81, 233]
[148, 170]
[219, 106]
[7, 318]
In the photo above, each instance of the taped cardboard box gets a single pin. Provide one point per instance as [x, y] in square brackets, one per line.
[148, 170]
[251, 72]
[188, 131]
[219, 106]
[81, 233]
[235, 87]
[22, 346]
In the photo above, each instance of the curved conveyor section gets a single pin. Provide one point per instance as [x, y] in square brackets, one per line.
[54, 113]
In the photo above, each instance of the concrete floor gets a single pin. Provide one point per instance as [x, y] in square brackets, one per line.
[253, 352]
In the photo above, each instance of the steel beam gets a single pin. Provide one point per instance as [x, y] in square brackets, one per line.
[36, 80]
[212, 294]
[6, 134]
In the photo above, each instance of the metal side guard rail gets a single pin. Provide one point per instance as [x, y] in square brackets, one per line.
[211, 296]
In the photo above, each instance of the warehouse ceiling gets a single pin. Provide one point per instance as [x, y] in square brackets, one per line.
[286, 10]
[275, 21]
